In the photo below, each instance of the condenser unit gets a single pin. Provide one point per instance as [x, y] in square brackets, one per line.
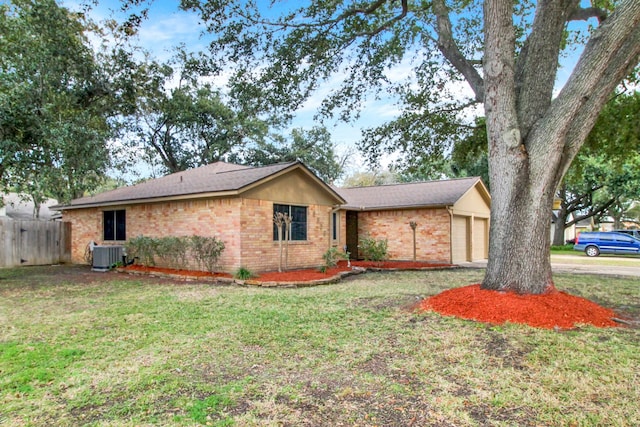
[105, 257]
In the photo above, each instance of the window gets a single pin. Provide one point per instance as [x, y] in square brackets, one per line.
[114, 225]
[298, 215]
[334, 226]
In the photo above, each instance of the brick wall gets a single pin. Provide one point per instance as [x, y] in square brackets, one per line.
[260, 252]
[433, 238]
[86, 226]
[244, 225]
[218, 218]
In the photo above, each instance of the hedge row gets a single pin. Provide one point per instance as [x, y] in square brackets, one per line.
[177, 252]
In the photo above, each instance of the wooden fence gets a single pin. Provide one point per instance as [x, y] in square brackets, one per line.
[34, 242]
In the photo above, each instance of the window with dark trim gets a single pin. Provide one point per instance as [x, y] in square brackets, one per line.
[298, 215]
[334, 225]
[114, 225]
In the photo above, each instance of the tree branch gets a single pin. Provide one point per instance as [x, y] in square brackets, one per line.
[330, 23]
[450, 50]
[583, 14]
[591, 212]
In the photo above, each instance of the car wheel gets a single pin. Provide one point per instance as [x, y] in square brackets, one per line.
[592, 251]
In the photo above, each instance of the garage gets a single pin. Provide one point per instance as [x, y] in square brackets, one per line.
[480, 238]
[439, 221]
[460, 239]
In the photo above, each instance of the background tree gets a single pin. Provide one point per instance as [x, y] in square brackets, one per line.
[469, 156]
[370, 178]
[313, 147]
[183, 122]
[605, 177]
[533, 137]
[54, 103]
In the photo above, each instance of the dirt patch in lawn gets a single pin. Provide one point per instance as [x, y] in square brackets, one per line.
[554, 309]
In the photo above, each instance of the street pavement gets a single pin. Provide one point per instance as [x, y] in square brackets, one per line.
[623, 266]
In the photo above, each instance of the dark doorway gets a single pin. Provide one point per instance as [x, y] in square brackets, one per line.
[352, 234]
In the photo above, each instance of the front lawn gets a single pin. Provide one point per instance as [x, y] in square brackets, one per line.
[81, 348]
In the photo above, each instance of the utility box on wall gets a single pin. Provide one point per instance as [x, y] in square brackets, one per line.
[105, 257]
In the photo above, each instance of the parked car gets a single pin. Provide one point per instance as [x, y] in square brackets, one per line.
[606, 242]
[634, 233]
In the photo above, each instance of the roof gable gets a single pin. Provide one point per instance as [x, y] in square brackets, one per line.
[214, 180]
[418, 194]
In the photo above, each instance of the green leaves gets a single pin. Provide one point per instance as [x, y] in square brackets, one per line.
[53, 109]
[313, 147]
[184, 122]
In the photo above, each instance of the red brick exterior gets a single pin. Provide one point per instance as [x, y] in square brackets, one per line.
[433, 236]
[244, 225]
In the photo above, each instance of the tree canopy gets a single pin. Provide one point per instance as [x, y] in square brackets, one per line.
[605, 178]
[53, 108]
[181, 121]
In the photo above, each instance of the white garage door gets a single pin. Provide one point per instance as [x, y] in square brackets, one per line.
[459, 239]
[480, 238]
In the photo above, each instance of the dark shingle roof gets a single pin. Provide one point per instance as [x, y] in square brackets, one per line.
[419, 194]
[217, 177]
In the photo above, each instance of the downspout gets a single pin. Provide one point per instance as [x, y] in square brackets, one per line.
[450, 210]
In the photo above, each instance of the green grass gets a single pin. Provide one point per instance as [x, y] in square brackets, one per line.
[564, 249]
[104, 349]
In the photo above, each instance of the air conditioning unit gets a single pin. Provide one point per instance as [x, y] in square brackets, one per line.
[105, 257]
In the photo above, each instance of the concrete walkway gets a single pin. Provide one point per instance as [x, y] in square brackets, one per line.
[580, 264]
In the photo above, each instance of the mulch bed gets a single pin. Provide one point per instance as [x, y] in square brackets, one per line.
[171, 272]
[552, 310]
[309, 276]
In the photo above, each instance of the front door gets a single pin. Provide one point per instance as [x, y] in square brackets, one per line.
[352, 234]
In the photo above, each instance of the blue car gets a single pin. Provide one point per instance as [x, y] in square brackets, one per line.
[606, 242]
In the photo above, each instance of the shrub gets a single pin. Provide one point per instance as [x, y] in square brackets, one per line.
[243, 274]
[173, 250]
[143, 248]
[206, 251]
[332, 256]
[372, 249]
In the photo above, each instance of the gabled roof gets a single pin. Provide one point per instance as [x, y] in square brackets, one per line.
[418, 194]
[214, 180]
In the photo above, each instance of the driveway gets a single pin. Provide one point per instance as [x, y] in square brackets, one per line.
[579, 263]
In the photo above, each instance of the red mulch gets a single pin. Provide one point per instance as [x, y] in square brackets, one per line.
[299, 275]
[189, 273]
[294, 275]
[550, 310]
[401, 265]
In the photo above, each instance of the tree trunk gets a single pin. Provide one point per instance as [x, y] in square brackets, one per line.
[560, 226]
[522, 199]
[519, 258]
[532, 139]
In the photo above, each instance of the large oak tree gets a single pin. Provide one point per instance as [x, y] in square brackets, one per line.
[508, 53]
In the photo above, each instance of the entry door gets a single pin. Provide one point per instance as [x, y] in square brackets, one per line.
[352, 234]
